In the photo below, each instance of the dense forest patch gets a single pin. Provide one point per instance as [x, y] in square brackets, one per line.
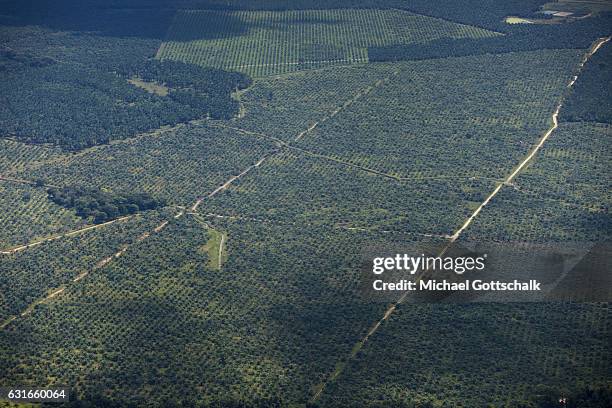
[101, 205]
[76, 106]
[589, 100]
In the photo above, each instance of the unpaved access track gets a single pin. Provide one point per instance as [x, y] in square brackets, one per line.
[102, 263]
[533, 152]
[66, 234]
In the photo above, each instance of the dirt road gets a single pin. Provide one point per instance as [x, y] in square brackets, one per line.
[67, 234]
[361, 343]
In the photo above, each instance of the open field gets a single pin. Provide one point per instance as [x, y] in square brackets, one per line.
[518, 20]
[262, 43]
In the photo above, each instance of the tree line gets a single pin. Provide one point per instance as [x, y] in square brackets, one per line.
[522, 37]
[589, 100]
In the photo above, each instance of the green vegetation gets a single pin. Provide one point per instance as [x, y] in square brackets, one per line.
[287, 105]
[101, 205]
[451, 118]
[51, 76]
[476, 355]
[268, 328]
[26, 215]
[521, 37]
[253, 297]
[301, 189]
[587, 397]
[29, 275]
[175, 165]
[264, 43]
[589, 100]
[45, 105]
[15, 156]
[539, 206]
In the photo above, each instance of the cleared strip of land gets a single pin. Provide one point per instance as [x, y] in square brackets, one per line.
[67, 234]
[102, 263]
[554, 117]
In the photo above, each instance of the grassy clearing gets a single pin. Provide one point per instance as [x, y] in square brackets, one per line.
[262, 43]
[151, 87]
[518, 20]
[215, 248]
[217, 252]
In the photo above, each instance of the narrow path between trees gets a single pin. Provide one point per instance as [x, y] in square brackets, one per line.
[24, 181]
[63, 235]
[347, 104]
[389, 311]
[345, 61]
[289, 146]
[221, 250]
[195, 205]
[335, 226]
